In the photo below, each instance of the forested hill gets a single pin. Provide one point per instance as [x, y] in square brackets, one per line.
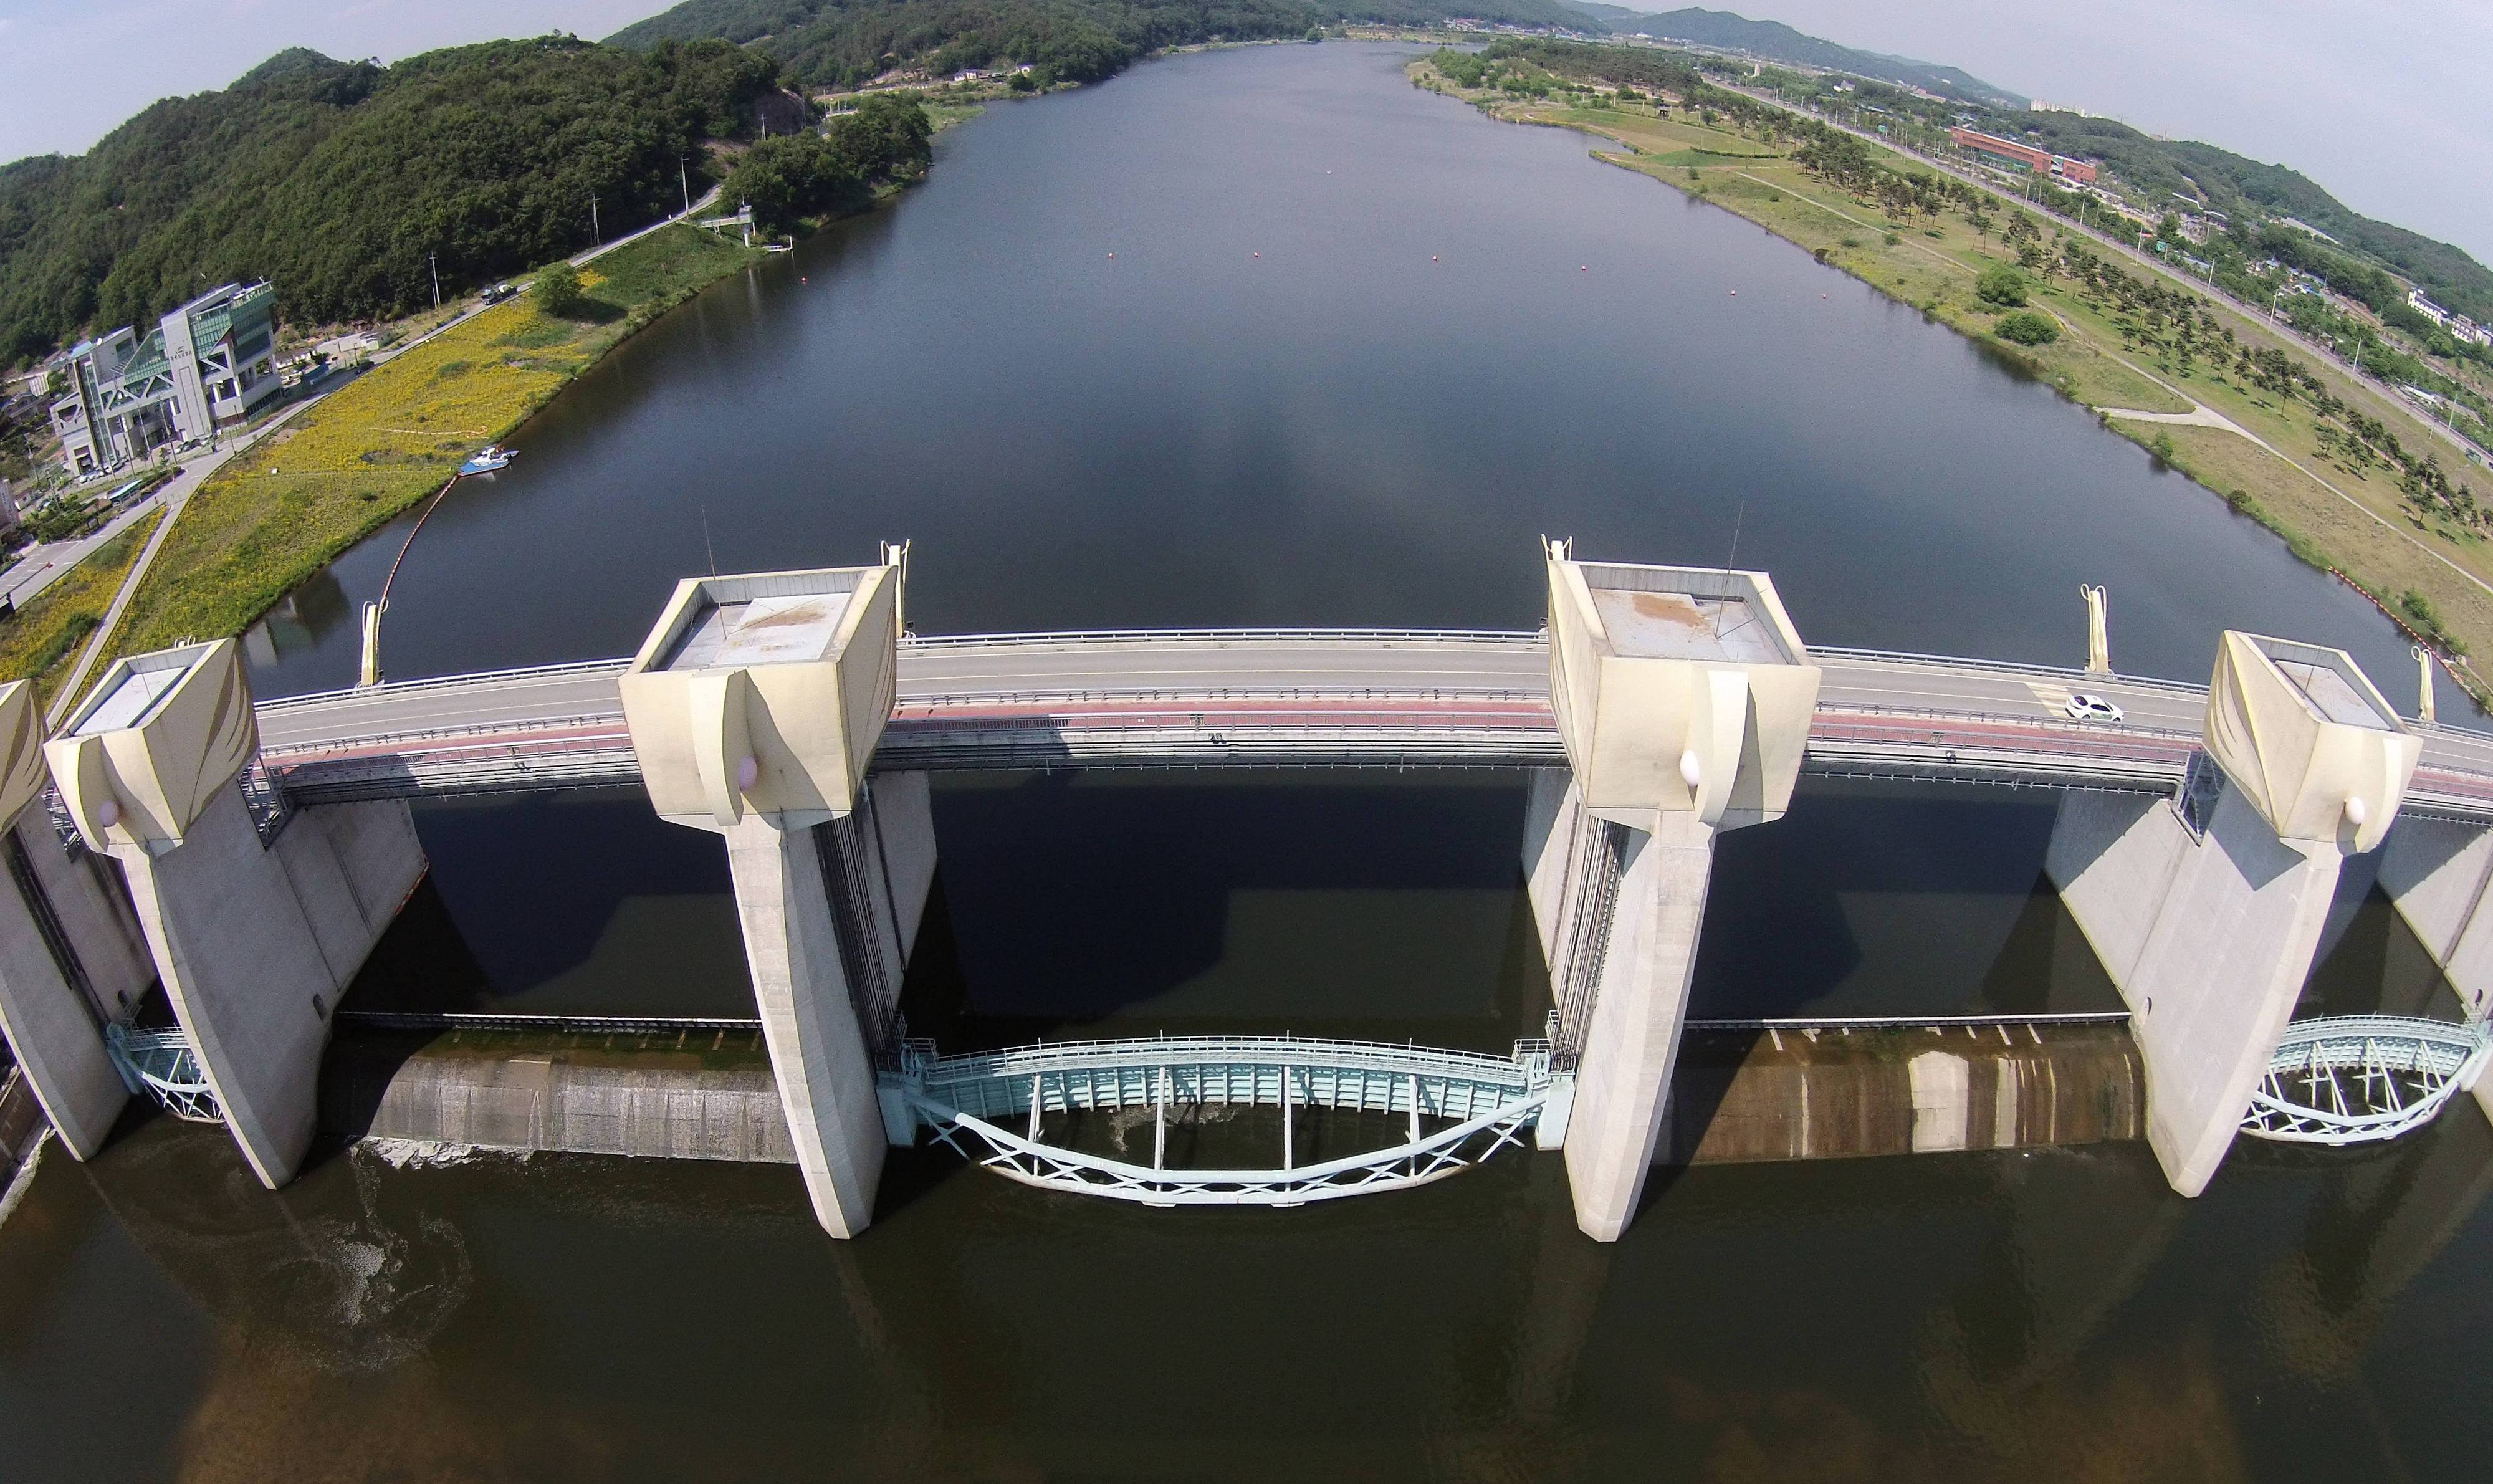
[1776, 41]
[828, 43]
[335, 179]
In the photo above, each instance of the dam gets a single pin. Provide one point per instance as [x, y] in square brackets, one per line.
[248, 858]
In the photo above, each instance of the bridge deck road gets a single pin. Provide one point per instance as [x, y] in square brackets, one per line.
[1041, 668]
[1108, 666]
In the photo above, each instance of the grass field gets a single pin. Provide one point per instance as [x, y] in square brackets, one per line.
[2349, 520]
[41, 637]
[388, 439]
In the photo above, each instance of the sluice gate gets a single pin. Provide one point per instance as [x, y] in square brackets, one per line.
[1460, 1108]
[2356, 1079]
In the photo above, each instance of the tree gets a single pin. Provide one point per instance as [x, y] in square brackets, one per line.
[2025, 327]
[557, 289]
[2000, 285]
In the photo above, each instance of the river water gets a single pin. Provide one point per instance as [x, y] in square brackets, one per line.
[1355, 349]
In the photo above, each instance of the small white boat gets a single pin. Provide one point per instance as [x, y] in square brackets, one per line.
[485, 460]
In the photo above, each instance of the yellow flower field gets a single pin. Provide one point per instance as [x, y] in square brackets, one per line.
[428, 408]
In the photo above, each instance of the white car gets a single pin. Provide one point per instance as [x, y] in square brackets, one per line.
[2087, 708]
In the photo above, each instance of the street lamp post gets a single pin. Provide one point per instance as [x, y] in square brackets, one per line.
[432, 261]
[598, 237]
[686, 181]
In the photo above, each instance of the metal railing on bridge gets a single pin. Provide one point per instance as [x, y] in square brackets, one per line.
[1458, 1108]
[1316, 723]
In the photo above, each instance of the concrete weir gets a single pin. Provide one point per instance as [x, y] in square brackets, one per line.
[754, 706]
[71, 959]
[254, 938]
[694, 1094]
[1758, 1094]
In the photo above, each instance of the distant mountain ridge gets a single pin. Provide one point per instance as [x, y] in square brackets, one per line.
[1775, 41]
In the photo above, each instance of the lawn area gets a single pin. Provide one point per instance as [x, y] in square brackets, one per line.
[47, 631]
[393, 436]
[2339, 516]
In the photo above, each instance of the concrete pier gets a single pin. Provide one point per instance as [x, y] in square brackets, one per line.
[2435, 873]
[2208, 922]
[754, 706]
[1632, 1040]
[71, 959]
[1683, 696]
[253, 939]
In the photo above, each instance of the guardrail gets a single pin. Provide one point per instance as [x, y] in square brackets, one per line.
[571, 670]
[1837, 654]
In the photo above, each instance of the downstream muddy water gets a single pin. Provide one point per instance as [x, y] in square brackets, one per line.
[1356, 348]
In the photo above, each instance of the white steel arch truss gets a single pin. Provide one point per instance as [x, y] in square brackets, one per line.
[161, 1064]
[1478, 1105]
[2351, 1080]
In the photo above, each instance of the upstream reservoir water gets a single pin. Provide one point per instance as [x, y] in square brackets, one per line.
[1356, 348]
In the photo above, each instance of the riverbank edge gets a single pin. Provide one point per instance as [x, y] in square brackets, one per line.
[2154, 438]
[298, 567]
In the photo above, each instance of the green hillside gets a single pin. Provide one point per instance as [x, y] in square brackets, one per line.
[831, 44]
[335, 179]
[2258, 196]
[1776, 41]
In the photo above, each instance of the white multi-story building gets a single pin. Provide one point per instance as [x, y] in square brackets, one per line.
[205, 365]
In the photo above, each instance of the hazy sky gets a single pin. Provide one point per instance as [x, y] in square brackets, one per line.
[2384, 104]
